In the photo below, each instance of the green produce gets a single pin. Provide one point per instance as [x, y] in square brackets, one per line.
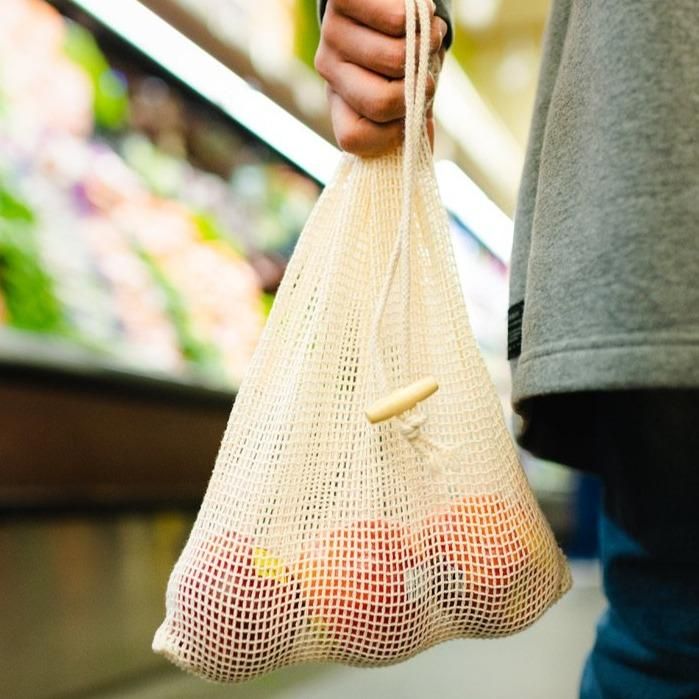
[267, 301]
[210, 230]
[12, 209]
[28, 291]
[202, 353]
[111, 104]
[29, 299]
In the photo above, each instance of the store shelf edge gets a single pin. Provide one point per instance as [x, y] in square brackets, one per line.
[28, 357]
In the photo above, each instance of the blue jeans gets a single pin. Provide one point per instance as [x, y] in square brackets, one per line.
[647, 644]
[644, 445]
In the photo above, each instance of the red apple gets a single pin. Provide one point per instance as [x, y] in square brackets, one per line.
[362, 585]
[483, 551]
[239, 610]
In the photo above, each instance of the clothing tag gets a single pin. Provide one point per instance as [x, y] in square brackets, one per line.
[514, 330]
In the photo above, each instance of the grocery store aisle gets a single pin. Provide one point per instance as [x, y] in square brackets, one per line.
[81, 598]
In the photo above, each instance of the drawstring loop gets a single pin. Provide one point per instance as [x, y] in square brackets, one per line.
[416, 73]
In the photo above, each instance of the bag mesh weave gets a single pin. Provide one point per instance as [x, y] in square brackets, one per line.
[323, 537]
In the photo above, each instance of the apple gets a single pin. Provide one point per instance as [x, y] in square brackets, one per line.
[361, 584]
[239, 610]
[486, 562]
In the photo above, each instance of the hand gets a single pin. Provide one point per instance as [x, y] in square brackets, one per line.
[361, 55]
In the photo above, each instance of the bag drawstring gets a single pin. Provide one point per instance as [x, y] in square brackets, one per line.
[416, 72]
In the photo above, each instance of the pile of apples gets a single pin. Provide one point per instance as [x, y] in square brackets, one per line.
[367, 590]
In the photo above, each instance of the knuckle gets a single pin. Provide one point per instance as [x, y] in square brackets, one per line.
[330, 34]
[381, 106]
[321, 61]
[435, 37]
[395, 58]
[335, 7]
[348, 140]
[395, 18]
[431, 86]
[341, 6]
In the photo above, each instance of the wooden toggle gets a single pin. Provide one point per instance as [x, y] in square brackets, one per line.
[401, 399]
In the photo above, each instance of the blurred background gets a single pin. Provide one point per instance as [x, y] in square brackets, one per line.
[158, 160]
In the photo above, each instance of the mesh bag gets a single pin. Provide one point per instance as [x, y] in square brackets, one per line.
[327, 536]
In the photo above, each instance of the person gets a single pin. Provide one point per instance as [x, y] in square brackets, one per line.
[603, 324]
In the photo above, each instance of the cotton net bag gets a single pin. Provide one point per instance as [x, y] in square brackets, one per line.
[355, 514]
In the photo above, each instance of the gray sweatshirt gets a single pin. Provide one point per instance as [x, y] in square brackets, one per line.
[604, 289]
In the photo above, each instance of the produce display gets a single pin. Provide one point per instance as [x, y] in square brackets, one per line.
[132, 221]
[136, 222]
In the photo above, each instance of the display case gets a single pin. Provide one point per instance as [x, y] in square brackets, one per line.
[143, 234]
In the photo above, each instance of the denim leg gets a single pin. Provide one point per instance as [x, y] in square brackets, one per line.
[647, 644]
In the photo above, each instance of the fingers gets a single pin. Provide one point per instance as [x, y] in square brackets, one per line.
[438, 32]
[369, 48]
[362, 56]
[385, 16]
[436, 62]
[430, 127]
[359, 135]
[367, 93]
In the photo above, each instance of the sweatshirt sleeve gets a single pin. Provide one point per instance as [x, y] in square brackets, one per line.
[443, 11]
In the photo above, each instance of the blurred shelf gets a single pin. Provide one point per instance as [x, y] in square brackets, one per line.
[83, 431]
[286, 92]
[28, 356]
[224, 76]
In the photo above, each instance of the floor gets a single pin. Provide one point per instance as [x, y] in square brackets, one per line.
[81, 598]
